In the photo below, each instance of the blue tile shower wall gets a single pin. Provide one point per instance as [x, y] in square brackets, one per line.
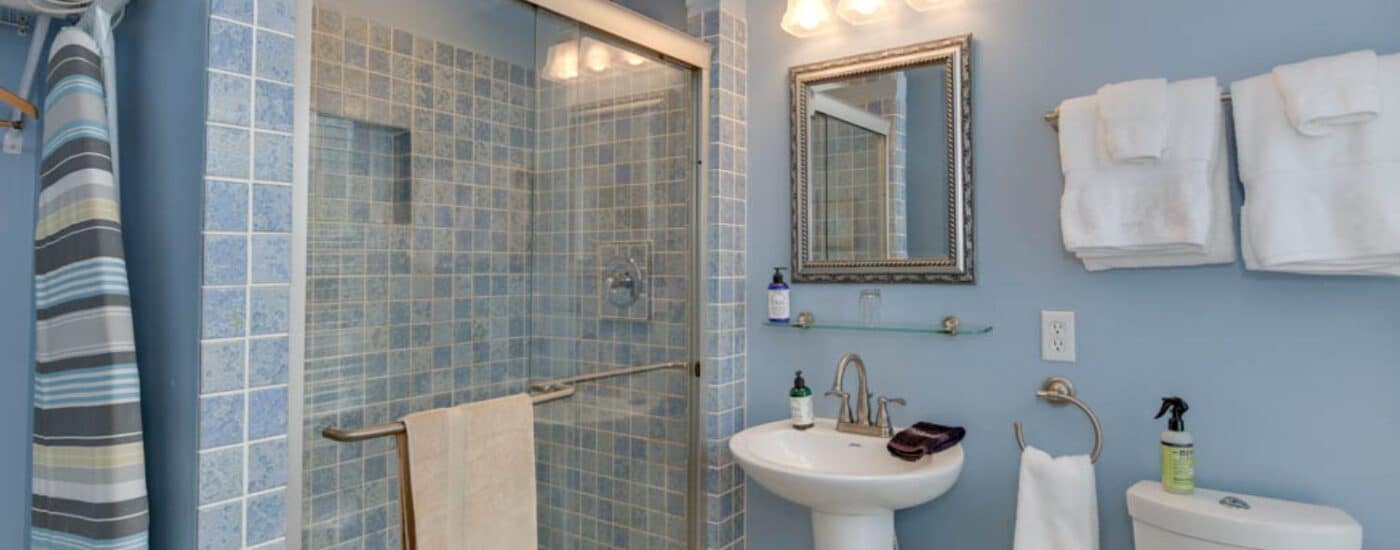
[724, 346]
[417, 242]
[247, 274]
[1290, 378]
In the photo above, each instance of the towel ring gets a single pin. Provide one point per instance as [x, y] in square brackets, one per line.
[1059, 391]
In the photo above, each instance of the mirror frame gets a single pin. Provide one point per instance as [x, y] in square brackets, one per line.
[958, 268]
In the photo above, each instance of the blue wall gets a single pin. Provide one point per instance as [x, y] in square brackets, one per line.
[161, 66]
[18, 185]
[1291, 379]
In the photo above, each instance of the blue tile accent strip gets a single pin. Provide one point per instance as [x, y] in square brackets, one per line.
[724, 349]
[247, 270]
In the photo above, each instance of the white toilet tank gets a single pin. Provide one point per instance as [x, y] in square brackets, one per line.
[1212, 520]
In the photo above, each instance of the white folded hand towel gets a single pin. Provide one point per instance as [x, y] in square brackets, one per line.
[1057, 505]
[1156, 214]
[1133, 119]
[1323, 93]
[1322, 205]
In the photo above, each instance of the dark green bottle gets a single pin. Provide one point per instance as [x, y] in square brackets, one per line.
[800, 403]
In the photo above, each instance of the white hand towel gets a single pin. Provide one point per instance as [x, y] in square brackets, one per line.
[1323, 93]
[1148, 214]
[1057, 505]
[472, 474]
[1133, 119]
[1325, 205]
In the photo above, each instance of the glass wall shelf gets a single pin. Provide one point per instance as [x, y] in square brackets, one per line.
[965, 329]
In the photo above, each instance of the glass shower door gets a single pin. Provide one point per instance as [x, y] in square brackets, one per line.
[611, 266]
[510, 208]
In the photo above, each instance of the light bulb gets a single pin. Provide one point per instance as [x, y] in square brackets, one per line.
[860, 12]
[806, 17]
[927, 5]
[632, 59]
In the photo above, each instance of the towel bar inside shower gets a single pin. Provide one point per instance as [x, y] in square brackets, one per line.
[540, 392]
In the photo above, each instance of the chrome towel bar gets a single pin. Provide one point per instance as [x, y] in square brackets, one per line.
[396, 427]
[1053, 116]
[1059, 391]
[540, 392]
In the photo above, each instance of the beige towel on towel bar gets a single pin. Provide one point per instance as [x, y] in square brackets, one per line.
[472, 469]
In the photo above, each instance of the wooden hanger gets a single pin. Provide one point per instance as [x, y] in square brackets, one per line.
[20, 103]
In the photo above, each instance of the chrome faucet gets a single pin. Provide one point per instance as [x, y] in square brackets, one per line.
[862, 423]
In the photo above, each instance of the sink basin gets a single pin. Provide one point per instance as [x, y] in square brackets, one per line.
[850, 481]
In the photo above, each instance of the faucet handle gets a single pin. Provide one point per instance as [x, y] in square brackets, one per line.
[844, 414]
[882, 417]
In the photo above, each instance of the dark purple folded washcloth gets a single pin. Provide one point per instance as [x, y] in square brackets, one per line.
[924, 438]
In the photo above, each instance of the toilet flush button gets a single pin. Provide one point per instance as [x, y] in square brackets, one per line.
[1234, 502]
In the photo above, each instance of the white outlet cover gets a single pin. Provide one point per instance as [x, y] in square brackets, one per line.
[1057, 342]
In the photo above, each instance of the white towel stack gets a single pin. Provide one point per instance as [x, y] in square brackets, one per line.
[1123, 208]
[1321, 176]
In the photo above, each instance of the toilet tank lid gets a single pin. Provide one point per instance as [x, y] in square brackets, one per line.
[1267, 523]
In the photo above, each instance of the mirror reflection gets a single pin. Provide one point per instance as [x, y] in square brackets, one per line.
[879, 166]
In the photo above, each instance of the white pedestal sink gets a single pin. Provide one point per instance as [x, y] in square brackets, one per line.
[850, 482]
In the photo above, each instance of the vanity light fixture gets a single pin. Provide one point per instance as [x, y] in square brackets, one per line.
[807, 17]
[860, 12]
[929, 5]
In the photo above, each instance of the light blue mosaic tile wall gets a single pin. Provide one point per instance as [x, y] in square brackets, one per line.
[724, 347]
[247, 275]
[417, 242]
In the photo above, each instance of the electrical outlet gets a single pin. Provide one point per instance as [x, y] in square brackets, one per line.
[1057, 336]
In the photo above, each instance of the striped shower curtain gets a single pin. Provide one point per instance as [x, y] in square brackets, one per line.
[89, 466]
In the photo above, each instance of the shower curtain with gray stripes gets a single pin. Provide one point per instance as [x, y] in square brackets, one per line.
[89, 466]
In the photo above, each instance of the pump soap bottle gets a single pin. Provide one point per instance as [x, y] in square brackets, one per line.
[1178, 449]
[800, 403]
[779, 299]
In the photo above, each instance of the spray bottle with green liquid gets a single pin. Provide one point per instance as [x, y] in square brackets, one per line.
[1178, 449]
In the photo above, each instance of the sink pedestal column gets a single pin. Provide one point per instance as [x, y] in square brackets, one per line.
[846, 531]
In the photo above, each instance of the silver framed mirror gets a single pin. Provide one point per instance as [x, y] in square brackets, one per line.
[882, 166]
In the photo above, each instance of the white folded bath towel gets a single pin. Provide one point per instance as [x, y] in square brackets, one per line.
[1133, 119]
[1323, 93]
[1165, 213]
[1326, 205]
[1220, 246]
[1057, 505]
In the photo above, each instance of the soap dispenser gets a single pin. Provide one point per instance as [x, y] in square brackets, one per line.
[779, 299]
[800, 403]
[1178, 449]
